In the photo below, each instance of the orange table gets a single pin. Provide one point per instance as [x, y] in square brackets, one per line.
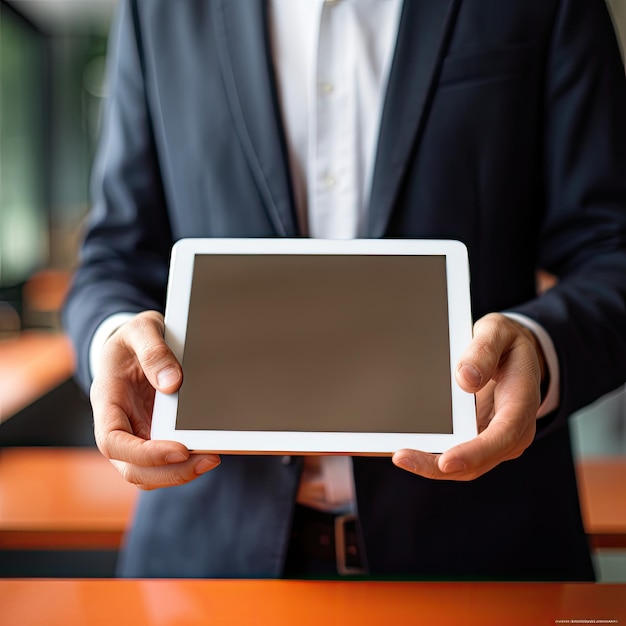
[74, 498]
[61, 498]
[30, 366]
[602, 487]
[190, 602]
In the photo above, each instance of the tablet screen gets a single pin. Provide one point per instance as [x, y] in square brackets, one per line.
[309, 342]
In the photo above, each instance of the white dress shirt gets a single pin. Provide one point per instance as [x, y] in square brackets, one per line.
[332, 60]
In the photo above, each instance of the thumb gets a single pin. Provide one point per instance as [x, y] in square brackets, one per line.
[144, 337]
[493, 336]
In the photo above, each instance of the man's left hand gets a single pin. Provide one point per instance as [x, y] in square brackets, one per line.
[504, 366]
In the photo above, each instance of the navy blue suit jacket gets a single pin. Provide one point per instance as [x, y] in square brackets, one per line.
[504, 126]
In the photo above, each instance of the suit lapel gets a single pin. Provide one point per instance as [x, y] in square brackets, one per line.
[245, 60]
[424, 33]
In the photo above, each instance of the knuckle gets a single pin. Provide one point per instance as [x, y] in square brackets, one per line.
[490, 323]
[151, 317]
[177, 478]
[483, 352]
[495, 329]
[470, 476]
[153, 354]
[147, 323]
[105, 442]
[522, 445]
[518, 441]
[102, 445]
[110, 441]
[527, 439]
[96, 393]
[129, 474]
[512, 442]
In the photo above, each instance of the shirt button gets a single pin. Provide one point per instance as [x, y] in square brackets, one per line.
[329, 181]
[327, 88]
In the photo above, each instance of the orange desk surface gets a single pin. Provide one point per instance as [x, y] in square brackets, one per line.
[61, 498]
[190, 602]
[602, 487]
[30, 366]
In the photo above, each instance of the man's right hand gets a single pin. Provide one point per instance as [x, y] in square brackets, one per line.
[134, 362]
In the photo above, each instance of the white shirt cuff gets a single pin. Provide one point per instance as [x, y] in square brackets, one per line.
[552, 398]
[103, 332]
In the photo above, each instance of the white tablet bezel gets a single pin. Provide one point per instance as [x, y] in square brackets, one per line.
[296, 442]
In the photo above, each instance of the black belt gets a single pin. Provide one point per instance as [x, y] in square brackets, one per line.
[325, 543]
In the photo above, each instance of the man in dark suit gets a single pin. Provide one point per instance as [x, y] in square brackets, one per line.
[503, 125]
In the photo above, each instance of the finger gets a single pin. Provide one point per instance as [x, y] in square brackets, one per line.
[148, 464]
[421, 463]
[512, 429]
[466, 461]
[115, 436]
[122, 445]
[500, 442]
[167, 476]
[493, 336]
[428, 466]
[143, 336]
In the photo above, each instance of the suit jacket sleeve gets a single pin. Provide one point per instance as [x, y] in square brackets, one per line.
[125, 255]
[584, 234]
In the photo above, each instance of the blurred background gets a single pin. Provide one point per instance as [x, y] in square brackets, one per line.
[52, 86]
[52, 55]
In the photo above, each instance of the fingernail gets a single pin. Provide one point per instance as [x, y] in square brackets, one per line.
[175, 457]
[453, 466]
[471, 375]
[167, 377]
[207, 464]
[407, 464]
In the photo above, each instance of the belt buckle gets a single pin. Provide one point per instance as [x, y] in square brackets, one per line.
[347, 553]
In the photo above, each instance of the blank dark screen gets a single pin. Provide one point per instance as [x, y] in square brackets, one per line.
[331, 343]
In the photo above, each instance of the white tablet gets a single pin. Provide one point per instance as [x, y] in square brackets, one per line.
[308, 346]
